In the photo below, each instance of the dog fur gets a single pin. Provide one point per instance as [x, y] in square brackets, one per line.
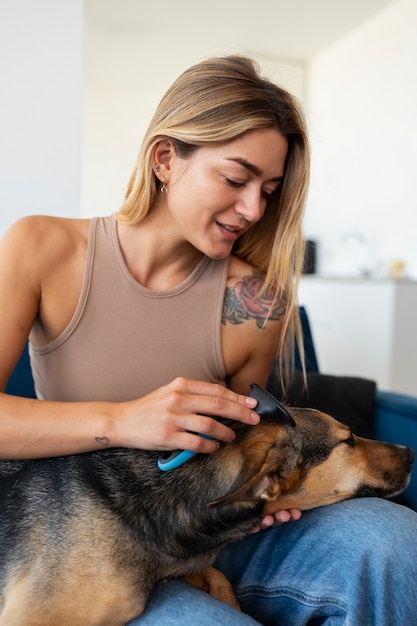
[84, 538]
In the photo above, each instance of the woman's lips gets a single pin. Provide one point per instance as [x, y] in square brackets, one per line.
[231, 233]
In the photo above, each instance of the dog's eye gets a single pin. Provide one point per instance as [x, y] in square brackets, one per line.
[350, 442]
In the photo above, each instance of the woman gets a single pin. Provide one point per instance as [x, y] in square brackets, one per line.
[146, 323]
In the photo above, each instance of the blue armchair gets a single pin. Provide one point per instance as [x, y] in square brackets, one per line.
[370, 412]
[396, 421]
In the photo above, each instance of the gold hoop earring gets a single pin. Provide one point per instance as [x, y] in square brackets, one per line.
[164, 188]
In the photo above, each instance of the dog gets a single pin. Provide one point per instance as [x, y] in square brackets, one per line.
[84, 538]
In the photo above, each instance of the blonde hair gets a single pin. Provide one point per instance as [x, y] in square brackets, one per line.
[216, 101]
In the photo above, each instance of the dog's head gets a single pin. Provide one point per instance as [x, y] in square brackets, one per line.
[317, 463]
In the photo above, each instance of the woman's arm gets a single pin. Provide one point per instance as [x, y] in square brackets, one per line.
[162, 420]
[250, 345]
[41, 269]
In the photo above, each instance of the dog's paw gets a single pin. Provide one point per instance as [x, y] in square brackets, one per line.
[216, 584]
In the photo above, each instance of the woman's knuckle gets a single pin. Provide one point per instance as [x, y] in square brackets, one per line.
[166, 418]
[200, 444]
[243, 411]
[204, 424]
[220, 389]
[180, 383]
[174, 398]
[219, 403]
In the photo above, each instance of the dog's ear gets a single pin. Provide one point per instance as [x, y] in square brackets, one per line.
[268, 470]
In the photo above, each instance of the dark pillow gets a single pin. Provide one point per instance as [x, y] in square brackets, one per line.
[349, 399]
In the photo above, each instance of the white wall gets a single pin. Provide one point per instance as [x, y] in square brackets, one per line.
[41, 58]
[362, 112]
[364, 327]
[361, 104]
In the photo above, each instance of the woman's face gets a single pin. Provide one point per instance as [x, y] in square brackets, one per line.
[222, 190]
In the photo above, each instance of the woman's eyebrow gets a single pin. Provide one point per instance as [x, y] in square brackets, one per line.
[253, 168]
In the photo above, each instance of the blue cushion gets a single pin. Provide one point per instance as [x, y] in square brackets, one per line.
[396, 422]
[21, 381]
[311, 363]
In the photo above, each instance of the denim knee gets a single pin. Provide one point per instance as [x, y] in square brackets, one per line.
[176, 603]
[349, 563]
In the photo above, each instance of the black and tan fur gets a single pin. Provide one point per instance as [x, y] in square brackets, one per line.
[83, 539]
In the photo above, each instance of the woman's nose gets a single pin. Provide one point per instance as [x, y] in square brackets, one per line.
[251, 206]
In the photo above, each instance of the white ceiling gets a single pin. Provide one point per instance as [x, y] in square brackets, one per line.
[295, 29]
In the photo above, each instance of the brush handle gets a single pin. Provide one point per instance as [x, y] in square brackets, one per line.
[172, 460]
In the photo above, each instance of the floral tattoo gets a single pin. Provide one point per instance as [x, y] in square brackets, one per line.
[243, 302]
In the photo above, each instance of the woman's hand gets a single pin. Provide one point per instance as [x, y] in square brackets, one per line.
[279, 517]
[170, 417]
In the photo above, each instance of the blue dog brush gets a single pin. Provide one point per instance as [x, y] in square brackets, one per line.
[267, 406]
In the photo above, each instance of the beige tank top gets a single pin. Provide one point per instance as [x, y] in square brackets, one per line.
[125, 340]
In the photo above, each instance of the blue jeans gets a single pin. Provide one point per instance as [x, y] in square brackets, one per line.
[351, 564]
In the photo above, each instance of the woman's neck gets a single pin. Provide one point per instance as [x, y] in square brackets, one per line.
[154, 257]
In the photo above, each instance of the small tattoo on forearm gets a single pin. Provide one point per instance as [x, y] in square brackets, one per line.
[103, 441]
[242, 302]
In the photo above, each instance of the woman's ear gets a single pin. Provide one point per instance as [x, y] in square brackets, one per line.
[164, 152]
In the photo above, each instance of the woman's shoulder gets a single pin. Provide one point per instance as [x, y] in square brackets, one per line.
[238, 269]
[251, 325]
[246, 297]
[41, 225]
[47, 231]
[39, 244]
[243, 275]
